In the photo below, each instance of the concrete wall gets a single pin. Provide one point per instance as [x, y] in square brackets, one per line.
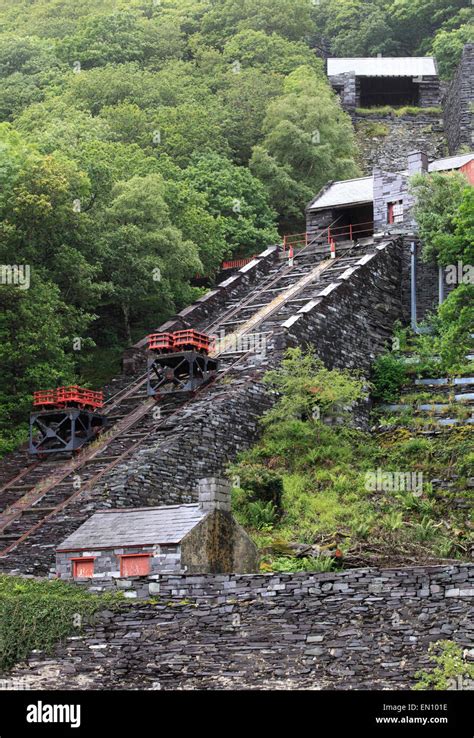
[361, 628]
[457, 105]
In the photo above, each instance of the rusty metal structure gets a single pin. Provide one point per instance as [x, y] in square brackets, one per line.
[64, 419]
[179, 361]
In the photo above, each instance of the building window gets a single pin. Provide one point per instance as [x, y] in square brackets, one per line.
[82, 568]
[135, 565]
[395, 212]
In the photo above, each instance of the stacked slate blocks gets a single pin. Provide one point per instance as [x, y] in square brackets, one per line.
[356, 629]
[458, 105]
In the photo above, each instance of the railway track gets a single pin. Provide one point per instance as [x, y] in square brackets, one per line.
[32, 497]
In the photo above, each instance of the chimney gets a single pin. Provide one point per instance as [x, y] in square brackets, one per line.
[417, 162]
[214, 494]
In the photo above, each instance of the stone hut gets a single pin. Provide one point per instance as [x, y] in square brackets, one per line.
[376, 81]
[193, 538]
[356, 208]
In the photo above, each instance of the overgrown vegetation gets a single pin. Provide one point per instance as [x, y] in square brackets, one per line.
[451, 668]
[444, 213]
[372, 129]
[38, 614]
[383, 111]
[313, 493]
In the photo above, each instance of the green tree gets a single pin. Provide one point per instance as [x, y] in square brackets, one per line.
[146, 261]
[303, 384]
[244, 99]
[122, 37]
[444, 213]
[36, 341]
[448, 46]
[29, 69]
[238, 199]
[309, 140]
[288, 18]
[269, 52]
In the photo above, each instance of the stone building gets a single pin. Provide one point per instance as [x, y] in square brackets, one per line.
[195, 538]
[356, 208]
[375, 81]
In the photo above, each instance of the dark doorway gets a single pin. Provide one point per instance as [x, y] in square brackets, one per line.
[353, 222]
[394, 91]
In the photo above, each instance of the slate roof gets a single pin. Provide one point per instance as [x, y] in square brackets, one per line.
[384, 66]
[134, 527]
[361, 190]
[347, 192]
[451, 162]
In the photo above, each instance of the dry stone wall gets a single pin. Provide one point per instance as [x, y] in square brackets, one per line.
[386, 141]
[458, 105]
[361, 628]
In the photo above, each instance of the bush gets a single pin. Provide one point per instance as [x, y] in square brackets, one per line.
[388, 377]
[261, 515]
[290, 564]
[259, 482]
[39, 614]
[450, 665]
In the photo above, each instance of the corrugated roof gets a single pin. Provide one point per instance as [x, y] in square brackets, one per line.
[451, 162]
[384, 66]
[135, 527]
[350, 191]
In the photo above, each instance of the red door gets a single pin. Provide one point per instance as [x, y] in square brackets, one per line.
[83, 568]
[135, 565]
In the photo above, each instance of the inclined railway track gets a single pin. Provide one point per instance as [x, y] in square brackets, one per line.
[31, 498]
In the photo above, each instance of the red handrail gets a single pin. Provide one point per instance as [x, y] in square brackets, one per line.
[236, 263]
[330, 233]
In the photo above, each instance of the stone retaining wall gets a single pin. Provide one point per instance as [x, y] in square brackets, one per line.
[347, 327]
[361, 628]
[386, 141]
[458, 105]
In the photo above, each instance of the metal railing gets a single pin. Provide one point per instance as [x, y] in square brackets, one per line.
[329, 234]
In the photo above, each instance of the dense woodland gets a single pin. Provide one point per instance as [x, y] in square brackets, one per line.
[143, 141]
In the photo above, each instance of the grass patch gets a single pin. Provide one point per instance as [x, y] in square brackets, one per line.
[383, 111]
[39, 614]
[372, 129]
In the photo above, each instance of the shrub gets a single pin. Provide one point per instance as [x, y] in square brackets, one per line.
[388, 377]
[291, 564]
[450, 665]
[261, 515]
[38, 614]
[259, 482]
